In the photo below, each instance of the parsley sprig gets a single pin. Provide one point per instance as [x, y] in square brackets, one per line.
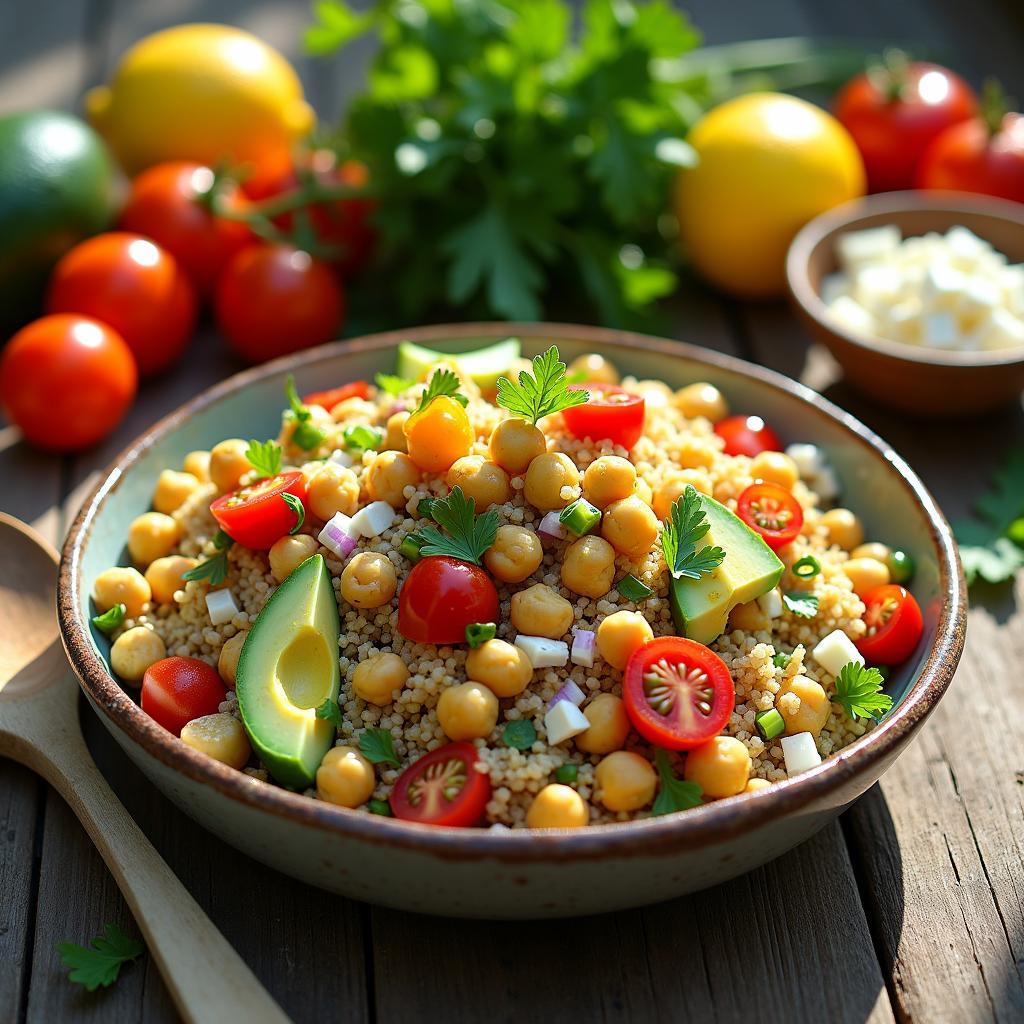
[378, 746]
[391, 384]
[801, 604]
[111, 619]
[298, 509]
[674, 794]
[686, 525]
[859, 691]
[100, 962]
[330, 712]
[991, 546]
[468, 535]
[215, 568]
[305, 435]
[541, 393]
[264, 457]
[442, 384]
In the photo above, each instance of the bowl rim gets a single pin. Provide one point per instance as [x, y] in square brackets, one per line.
[849, 216]
[699, 827]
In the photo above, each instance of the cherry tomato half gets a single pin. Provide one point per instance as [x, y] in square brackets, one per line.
[611, 413]
[443, 788]
[747, 435]
[441, 597]
[176, 691]
[894, 623]
[772, 512]
[257, 515]
[333, 396]
[678, 693]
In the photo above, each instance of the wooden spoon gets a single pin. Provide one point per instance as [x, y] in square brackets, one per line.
[39, 727]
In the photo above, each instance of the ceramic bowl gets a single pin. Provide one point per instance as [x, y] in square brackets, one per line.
[917, 380]
[498, 873]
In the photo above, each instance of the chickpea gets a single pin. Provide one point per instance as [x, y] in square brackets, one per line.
[345, 777]
[134, 651]
[749, 616]
[468, 711]
[872, 549]
[557, 806]
[598, 370]
[675, 485]
[620, 634]
[151, 536]
[515, 444]
[228, 464]
[720, 767]
[539, 611]
[607, 479]
[500, 666]
[227, 660]
[369, 580]
[221, 737]
[755, 785]
[164, 576]
[377, 679]
[588, 567]
[483, 481]
[813, 712]
[389, 475]
[438, 435]
[694, 454]
[547, 476]
[394, 438]
[843, 527]
[625, 781]
[630, 526]
[198, 464]
[288, 553]
[865, 574]
[121, 586]
[775, 468]
[642, 489]
[173, 489]
[515, 554]
[332, 489]
[609, 725]
[702, 399]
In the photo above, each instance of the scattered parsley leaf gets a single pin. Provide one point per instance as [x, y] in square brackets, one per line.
[101, 963]
[391, 384]
[378, 746]
[519, 734]
[781, 660]
[468, 535]
[214, 569]
[298, 508]
[859, 691]
[803, 605]
[541, 393]
[110, 620]
[997, 562]
[673, 794]
[362, 438]
[442, 384]
[264, 457]
[305, 435]
[686, 525]
[330, 712]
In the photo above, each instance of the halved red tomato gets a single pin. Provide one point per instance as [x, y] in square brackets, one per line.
[259, 514]
[330, 398]
[747, 435]
[611, 412]
[894, 624]
[443, 787]
[441, 597]
[772, 512]
[176, 691]
[678, 693]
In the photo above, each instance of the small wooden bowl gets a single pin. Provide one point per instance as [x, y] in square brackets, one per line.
[907, 377]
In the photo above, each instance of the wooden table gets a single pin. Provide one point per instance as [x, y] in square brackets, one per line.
[911, 907]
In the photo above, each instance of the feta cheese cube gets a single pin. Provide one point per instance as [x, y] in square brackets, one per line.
[808, 458]
[939, 330]
[799, 752]
[771, 603]
[563, 721]
[849, 313]
[856, 247]
[965, 247]
[341, 458]
[941, 288]
[373, 519]
[221, 606]
[902, 322]
[542, 652]
[877, 286]
[835, 651]
[1001, 330]
[826, 484]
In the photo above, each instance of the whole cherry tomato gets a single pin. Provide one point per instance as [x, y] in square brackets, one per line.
[771, 512]
[261, 513]
[176, 691]
[610, 413]
[747, 435]
[66, 381]
[441, 597]
[133, 285]
[166, 205]
[895, 625]
[273, 299]
[443, 787]
[894, 110]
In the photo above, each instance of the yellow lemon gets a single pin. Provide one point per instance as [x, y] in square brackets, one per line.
[208, 93]
[768, 164]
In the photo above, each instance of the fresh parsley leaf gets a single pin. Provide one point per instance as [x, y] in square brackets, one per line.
[859, 691]
[803, 605]
[362, 438]
[264, 457]
[780, 660]
[214, 570]
[1004, 503]
[305, 435]
[674, 794]
[541, 393]
[686, 525]
[378, 746]
[110, 620]
[298, 508]
[221, 541]
[101, 963]
[468, 535]
[442, 384]
[520, 734]
[997, 562]
[393, 385]
[331, 712]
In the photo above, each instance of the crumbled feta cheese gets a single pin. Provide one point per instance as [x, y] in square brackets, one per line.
[939, 330]
[771, 603]
[799, 752]
[542, 652]
[221, 606]
[341, 458]
[851, 314]
[1001, 330]
[858, 247]
[374, 519]
[808, 458]
[563, 721]
[835, 651]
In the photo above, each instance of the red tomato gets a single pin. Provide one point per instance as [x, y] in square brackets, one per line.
[330, 398]
[971, 157]
[273, 299]
[894, 112]
[678, 693]
[894, 624]
[443, 788]
[772, 512]
[133, 285]
[176, 691]
[441, 597]
[165, 205]
[259, 514]
[747, 435]
[611, 413]
[66, 381]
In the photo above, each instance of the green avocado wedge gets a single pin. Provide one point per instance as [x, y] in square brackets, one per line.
[700, 608]
[483, 367]
[288, 667]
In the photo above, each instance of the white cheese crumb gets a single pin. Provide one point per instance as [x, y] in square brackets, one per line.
[799, 752]
[374, 519]
[221, 606]
[835, 651]
[544, 653]
[563, 721]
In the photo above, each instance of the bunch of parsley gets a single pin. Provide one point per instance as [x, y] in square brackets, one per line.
[992, 542]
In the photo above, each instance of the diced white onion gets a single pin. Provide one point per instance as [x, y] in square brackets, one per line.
[570, 692]
[338, 535]
[835, 651]
[799, 753]
[563, 721]
[341, 458]
[807, 458]
[771, 603]
[374, 519]
[583, 646]
[551, 528]
[221, 606]
[542, 652]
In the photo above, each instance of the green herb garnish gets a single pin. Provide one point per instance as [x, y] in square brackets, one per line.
[859, 691]
[781, 660]
[298, 509]
[362, 438]
[410, 547]
[987, 549]
[770, 723]
[305, 435]
[469, 535]
[264, 457]
[442, 384]
[519, 734]
[478, 633]
[110, 620]
[215, 568]
[804, 605]
[381, 807]
[425, 508]
[686, 525]
[541, 393]
[330, 712]
[633, 589]
[580, 517]
[101, 962]
[566, 774]
[806, 568]
[391, 384]
[378, 746]
[673, 794]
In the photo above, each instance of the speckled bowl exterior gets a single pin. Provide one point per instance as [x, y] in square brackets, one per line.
[520, 874]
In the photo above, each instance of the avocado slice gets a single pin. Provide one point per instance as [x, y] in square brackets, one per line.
[483, 367]
[701, 607]
[288, 667]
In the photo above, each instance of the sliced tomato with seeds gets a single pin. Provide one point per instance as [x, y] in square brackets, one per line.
[611, 412]
[747, 435]
[772, 512]
[895, 625]
[443, 787]
[333, 396]
[678, 693]
[257, 515]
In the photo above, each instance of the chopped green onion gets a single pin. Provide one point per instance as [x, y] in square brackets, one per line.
[478, 633]
[633, 590]
[410, 547]
[807, 568]
[566, 774]
[425, 508]
[580, 517]
[381, 807]
[770, 723]
[781, 660]
[362, 438]
[110, 620]
[901, 567]
[520, 734]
